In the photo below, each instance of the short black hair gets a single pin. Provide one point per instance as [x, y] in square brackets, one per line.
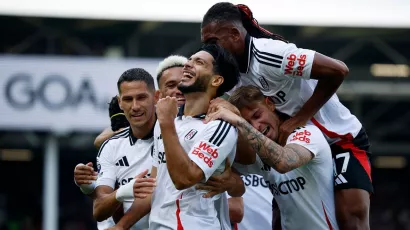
[225, 65]
[228, 12]
[136, 74]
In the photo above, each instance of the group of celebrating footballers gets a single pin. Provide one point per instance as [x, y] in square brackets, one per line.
[247, 133]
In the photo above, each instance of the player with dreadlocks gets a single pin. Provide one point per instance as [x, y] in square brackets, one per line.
[302, 84]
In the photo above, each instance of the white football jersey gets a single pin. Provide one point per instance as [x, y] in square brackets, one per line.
[282, 72]
[120, 159]
[257, 202]
[208, 145]
[304, 195]
[108, 223]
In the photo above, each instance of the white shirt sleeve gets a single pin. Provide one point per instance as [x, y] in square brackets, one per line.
[218, 141]
[297, 62]
[107, 170]
[288, 61]
[309, 137]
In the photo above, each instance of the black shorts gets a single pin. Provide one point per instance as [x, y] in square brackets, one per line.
[351, 157]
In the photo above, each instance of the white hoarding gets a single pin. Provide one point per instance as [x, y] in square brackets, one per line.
[60, 94]
[350, 13]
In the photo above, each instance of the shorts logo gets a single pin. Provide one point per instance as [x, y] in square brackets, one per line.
[292, 62]
[191, 134]
[301, 136]
[264, 83]
[206, 152]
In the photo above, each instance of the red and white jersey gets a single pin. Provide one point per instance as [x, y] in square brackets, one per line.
[305, 195]
[208, 145]
[282, 72]
[257, 202]
[120, 159]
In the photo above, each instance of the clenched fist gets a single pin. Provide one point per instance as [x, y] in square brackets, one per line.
[167, 109]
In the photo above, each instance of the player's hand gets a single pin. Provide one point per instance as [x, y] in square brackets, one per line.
[223, 113]
[138, 187]
[84, 174]
[143, 186]
[218, 184]
[167, 109]
[287, 128]
[219, 102]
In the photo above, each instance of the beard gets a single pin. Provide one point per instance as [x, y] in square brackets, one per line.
[199, 86]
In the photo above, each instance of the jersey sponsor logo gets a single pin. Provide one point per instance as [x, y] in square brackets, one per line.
[191, 134]
[124, 181]
[127, 180]
[279, 97]
[161, 158]
[254, 181]
[287, 187]
[293, 60]
[210, 153]
[301, 136]
[264, 83]
[122, 162]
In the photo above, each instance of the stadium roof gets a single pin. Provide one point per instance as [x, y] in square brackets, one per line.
[347, 13]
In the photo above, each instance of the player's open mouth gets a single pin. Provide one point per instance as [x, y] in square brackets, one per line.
[187, 74]
[266, 130]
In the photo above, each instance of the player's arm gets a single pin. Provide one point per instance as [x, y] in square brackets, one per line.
[229, 181]
[103, 136]
[236, 209]
[330, 74]
[105, 203]
[107, 199]
[282, 159]
[188, 169]
[307, 64]
[138, 209]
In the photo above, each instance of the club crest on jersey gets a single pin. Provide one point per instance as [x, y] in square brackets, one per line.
[264, 83]
[191, 134]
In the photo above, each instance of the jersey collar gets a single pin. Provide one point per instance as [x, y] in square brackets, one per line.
[134, 140]
[246, 58]
[181, 113]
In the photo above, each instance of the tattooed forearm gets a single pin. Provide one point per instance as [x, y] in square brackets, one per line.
[282, 159]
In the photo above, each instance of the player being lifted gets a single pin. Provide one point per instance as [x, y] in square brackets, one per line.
[302, 83]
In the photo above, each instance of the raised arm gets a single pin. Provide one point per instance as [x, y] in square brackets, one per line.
[330, 74]
[282, 159]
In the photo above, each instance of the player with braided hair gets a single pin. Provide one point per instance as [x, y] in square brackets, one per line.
[302, 84]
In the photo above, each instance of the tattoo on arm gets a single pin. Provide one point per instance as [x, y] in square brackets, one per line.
[283, 159]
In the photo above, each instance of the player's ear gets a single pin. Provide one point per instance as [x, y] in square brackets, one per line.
[157, 96]
[270, 104]
[217, 80]
[235, 34]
